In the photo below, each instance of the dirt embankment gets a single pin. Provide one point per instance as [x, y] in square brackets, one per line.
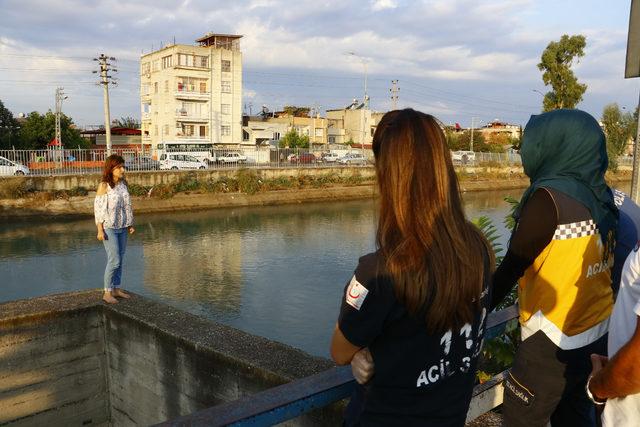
[39, 204]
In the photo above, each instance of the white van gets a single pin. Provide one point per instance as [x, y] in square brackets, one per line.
[8, 168]
[180, 162]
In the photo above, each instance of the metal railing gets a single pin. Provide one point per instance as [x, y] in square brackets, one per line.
[288, 401]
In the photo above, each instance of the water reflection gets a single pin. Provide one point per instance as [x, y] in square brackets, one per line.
[273, 271]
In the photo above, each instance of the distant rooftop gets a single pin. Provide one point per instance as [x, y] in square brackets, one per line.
[227, 41]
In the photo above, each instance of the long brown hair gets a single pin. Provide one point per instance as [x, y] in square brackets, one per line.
[111, 162]
[435, 257]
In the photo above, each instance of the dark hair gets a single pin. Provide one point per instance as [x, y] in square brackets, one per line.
[111, 162]
[435, 257]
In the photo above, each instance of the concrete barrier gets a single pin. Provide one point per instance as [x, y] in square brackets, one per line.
[148, 179]
[70, 360]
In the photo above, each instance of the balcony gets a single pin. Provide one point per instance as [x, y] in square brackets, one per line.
[191, 117]
[191, 137]
[146, 116]
[192, 95]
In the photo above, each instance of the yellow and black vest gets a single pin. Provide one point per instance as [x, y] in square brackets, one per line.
[566, 292]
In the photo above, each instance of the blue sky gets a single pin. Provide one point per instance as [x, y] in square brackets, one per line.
[454, 59]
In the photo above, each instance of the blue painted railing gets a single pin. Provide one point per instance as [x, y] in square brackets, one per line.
[287, 401]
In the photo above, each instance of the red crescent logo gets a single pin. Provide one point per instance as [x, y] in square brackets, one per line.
[352, 295]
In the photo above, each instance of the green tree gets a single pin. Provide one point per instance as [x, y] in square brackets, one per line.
[294, 140]
[9, 128]
[126, 122]
[619, 129]
[555, 64]
[39, 129]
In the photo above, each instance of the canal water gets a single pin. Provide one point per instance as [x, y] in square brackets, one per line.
[277, 272]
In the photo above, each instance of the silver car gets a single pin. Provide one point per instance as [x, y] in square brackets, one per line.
[9, 168]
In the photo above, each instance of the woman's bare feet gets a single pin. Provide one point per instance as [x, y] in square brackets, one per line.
[108, 298]
[120, 293]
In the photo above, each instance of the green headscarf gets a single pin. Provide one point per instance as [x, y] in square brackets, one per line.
[565, 150]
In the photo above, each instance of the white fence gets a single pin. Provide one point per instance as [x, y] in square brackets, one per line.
[53, 162]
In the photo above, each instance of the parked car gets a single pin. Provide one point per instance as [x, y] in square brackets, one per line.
[353, 159]
[9, 167]
[330, 157]
[143, 163]
[303, 158]
[463, 157]
[231, 158]
[181, 161]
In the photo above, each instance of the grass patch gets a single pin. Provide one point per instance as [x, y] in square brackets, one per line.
[15, 188]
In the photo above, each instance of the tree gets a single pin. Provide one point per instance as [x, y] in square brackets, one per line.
[39, 129]
[294, 111]
[555, 63]
[619, 130]
[9, 128]
[294, 140]
[126, 122]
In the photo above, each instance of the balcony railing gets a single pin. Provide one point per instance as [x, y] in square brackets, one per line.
[282, 403]
[189, 94]
[188, 116]
[192, 137]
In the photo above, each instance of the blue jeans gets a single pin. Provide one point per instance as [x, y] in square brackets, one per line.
[115, 244]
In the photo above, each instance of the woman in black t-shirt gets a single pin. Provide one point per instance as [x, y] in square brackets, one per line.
[419, 303]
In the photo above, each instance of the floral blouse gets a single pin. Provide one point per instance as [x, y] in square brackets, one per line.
[113, 209]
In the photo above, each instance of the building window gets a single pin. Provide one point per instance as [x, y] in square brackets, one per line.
[225, 130]
[146, 108]
[166, 62]
[203, 61]
[332, 140]
[146, 68]
[226, 66]
[225, 86]
[245, 135]
[155, 87]
[146, 87]
[166, 86]
[225, 108]
[319, 132]
[166, 129]
[276, 136]
[185, 60]
[156, 65]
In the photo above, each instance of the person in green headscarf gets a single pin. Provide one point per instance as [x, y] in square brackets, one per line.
[560, 253]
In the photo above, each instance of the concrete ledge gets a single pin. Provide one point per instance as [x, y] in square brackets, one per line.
[71, 359]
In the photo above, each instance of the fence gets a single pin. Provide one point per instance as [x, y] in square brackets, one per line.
[282, 403]
[52, 162]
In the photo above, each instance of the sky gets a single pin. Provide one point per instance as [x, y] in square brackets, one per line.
[455, 59]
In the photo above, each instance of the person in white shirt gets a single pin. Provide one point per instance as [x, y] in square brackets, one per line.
[114, 221]
[615, 381]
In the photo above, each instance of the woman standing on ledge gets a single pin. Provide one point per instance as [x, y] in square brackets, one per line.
[419, 303]
[114, 220]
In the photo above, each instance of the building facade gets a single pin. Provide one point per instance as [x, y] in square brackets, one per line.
[193, 93]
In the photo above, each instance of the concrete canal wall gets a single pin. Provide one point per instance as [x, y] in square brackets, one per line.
[70, 360]
[148, 179]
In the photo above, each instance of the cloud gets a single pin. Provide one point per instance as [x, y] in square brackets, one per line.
[378, 5]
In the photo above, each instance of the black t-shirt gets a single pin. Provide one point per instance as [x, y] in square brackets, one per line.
[420, 378]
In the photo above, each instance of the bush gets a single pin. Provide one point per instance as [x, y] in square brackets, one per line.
[162, 191]
[15, 188]
[138, 190]
[187, 183]
[248, 181]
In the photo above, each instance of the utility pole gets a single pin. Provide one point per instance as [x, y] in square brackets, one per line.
[471, 139]
[394, 94]
[60, 96]
[105, 81]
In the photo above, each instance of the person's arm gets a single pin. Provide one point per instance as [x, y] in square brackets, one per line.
[342, 350]
[537, 224]
[100, 209]
[620, 376]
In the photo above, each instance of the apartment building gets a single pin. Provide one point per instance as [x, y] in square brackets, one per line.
[355, 123]
[193, 93]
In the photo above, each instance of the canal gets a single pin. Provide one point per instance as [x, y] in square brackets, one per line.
[277, 272]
